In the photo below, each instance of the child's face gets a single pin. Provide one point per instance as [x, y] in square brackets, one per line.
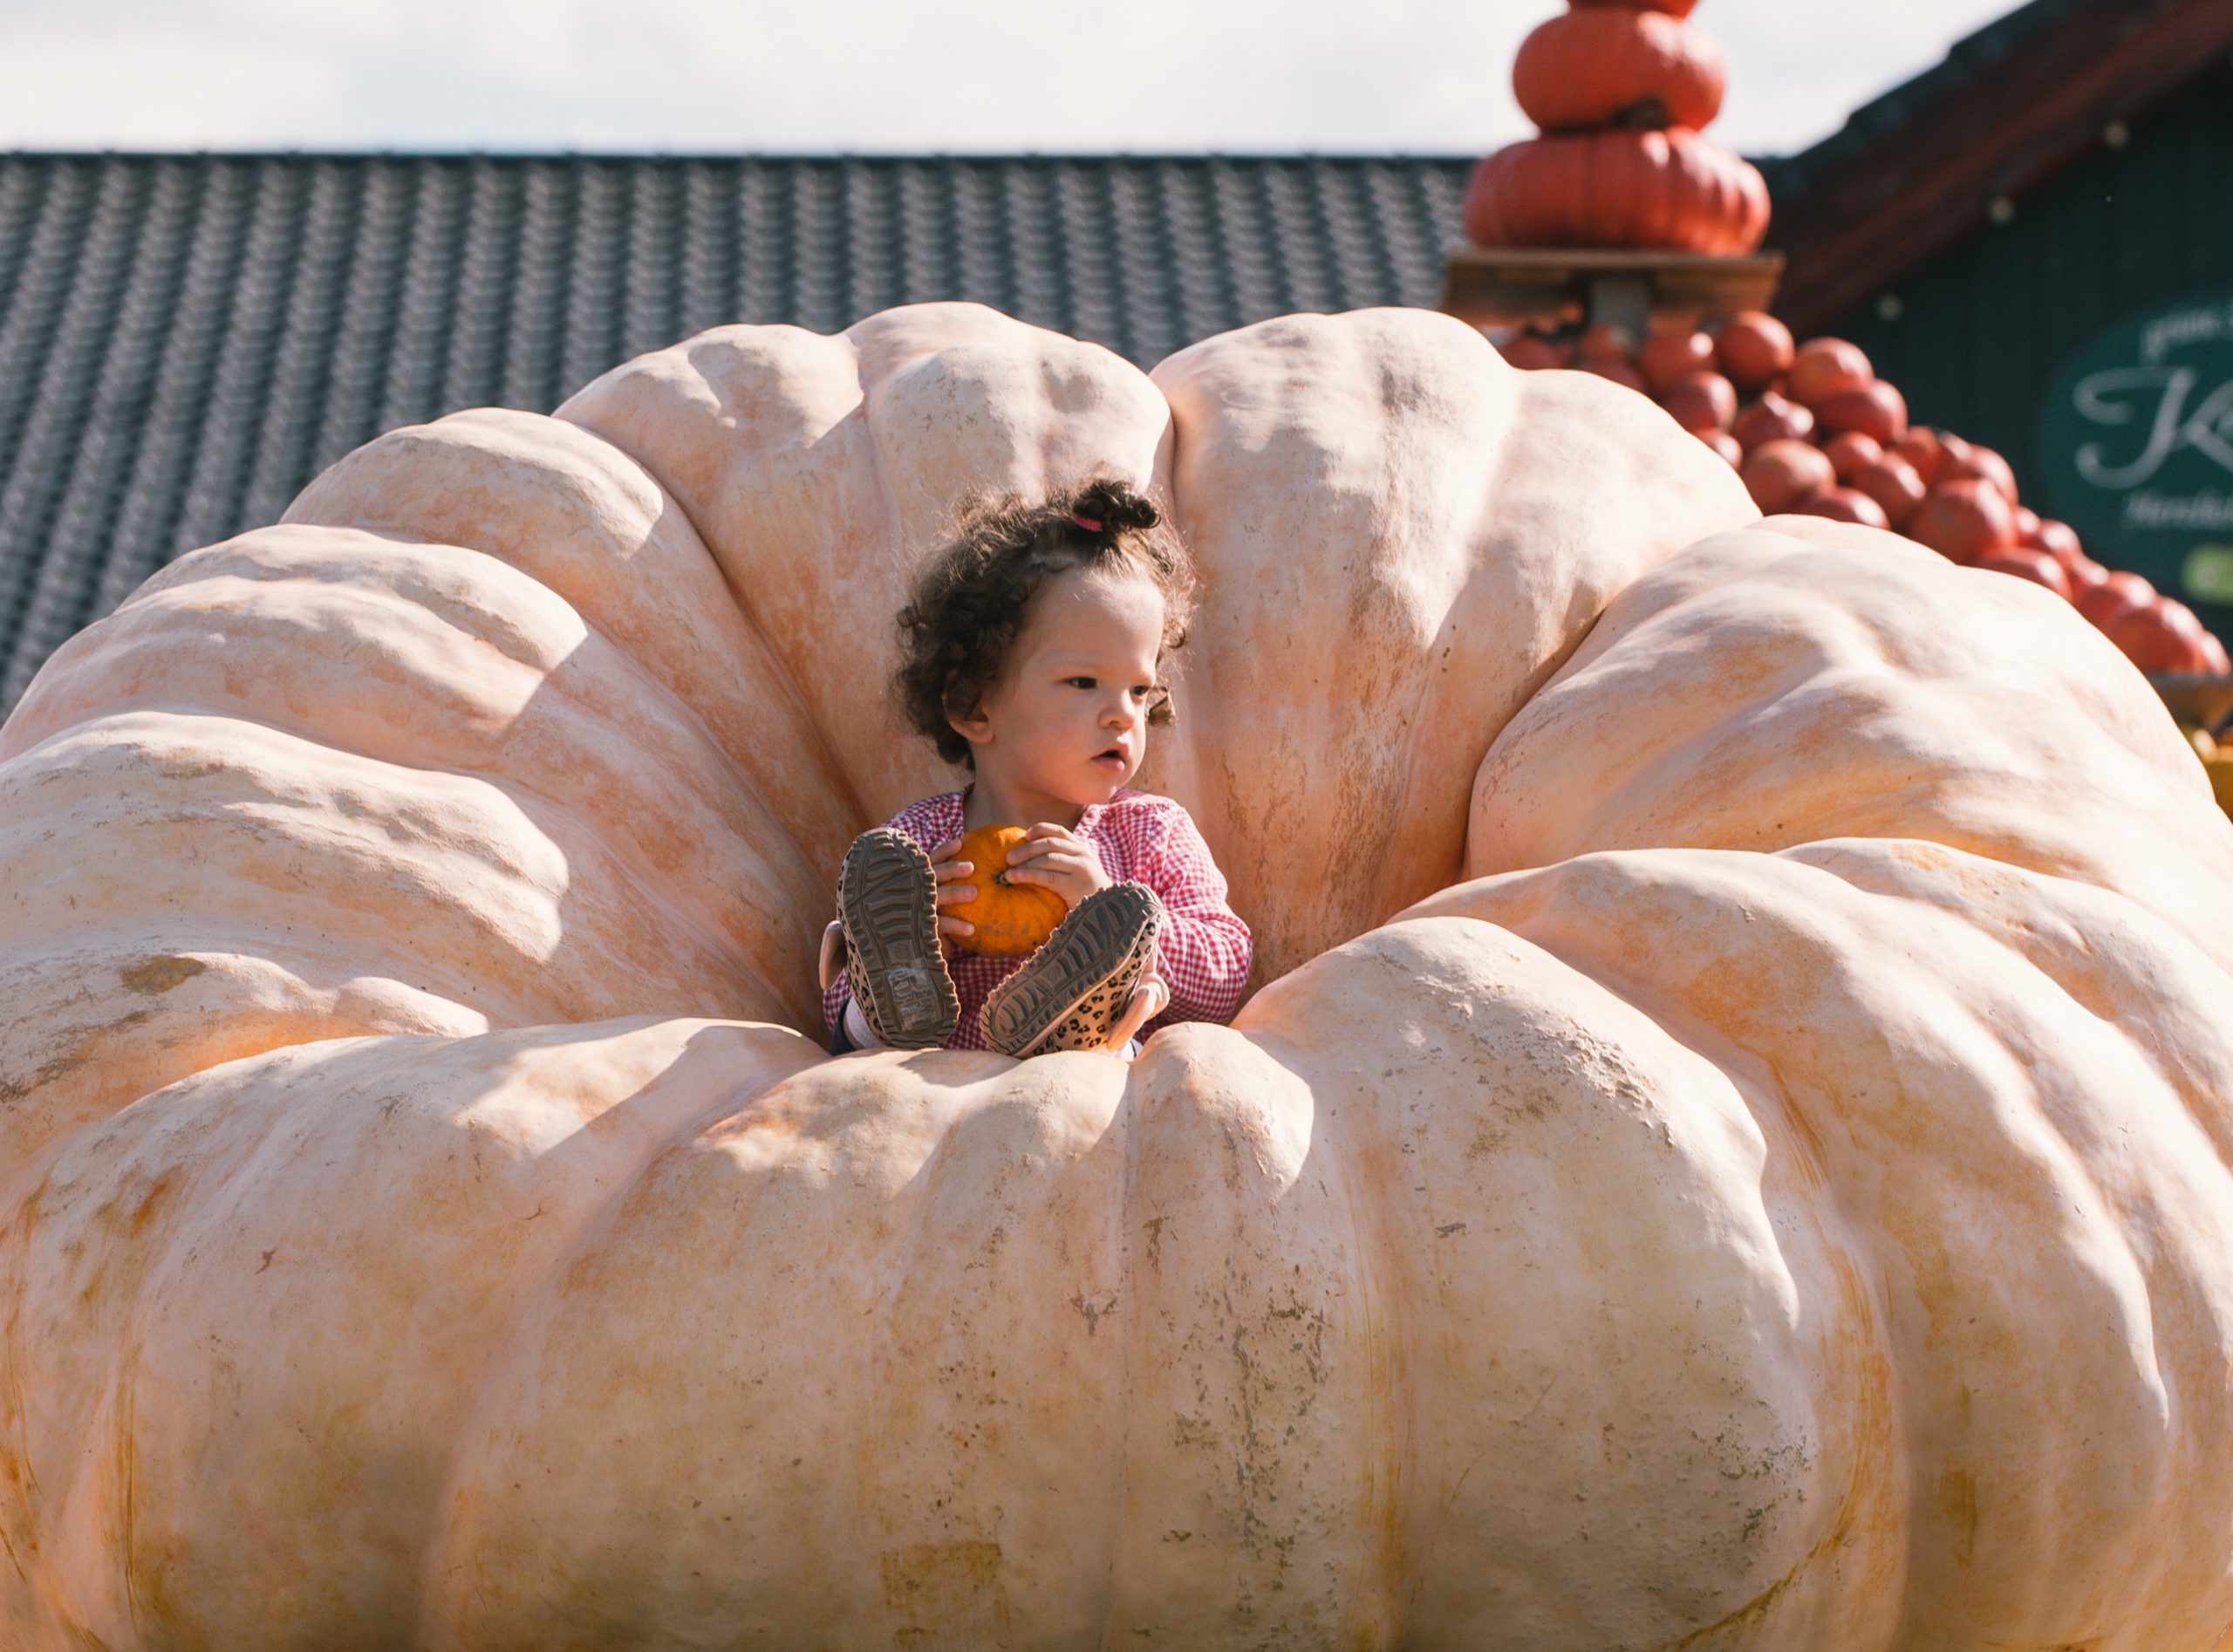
[1068, 718]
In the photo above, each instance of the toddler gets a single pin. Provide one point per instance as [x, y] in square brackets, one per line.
[1032, 651]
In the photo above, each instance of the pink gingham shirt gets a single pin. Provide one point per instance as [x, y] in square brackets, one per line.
[1202, 951]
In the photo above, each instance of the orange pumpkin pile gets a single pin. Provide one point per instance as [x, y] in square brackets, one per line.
[1620, 92]
[1812, 429]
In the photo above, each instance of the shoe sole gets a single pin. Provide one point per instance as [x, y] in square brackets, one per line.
[887, 897]
[1109, 940]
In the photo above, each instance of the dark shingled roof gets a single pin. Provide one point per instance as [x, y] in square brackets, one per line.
[186, 340]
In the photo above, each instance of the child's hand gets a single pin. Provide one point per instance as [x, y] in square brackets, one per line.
[948, 871]
[1057, 858]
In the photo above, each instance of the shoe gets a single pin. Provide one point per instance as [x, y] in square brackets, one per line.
[887, 899]
[1072, 993]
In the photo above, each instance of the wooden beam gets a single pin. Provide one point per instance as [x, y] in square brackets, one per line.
[1921, 186]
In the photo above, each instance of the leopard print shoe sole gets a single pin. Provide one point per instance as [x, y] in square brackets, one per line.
[1071, 993]
[887, 899]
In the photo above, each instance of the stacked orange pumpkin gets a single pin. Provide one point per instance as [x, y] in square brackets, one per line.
[1620, 89]
[1814, 431]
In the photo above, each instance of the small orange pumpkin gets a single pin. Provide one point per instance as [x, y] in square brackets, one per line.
[1755, 350]
[1968, 459]
[1013, 920]
[1965, 520]
[1782, 476]
[1667, 356]
[1638, 69]
[1772, 418]
[1700, 401]
[1826, 367]
[1892, 482]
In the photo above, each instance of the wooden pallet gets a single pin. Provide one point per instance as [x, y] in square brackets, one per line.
[1551, 287]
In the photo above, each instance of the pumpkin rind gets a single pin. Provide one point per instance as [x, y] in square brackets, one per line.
[1743, 1162]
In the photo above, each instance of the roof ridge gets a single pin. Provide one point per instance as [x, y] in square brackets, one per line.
[1981, 48]
[2008, 106]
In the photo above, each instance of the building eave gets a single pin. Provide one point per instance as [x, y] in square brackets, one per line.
[1858, 217]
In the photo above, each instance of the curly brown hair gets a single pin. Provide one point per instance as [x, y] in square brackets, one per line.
[969, 602]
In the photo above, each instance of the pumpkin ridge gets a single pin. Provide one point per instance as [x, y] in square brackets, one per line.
[1851, 725]
[575, 488]
[574, 709]
[1007, 407]
[584, 418]
[279, 800]
[786, 679]
[1842, 918]
[1758, 1087]
[583, 715]
[1422, 446]
[869, 1323]
[599, 1217]
[1922, 872]
[630, 858]
[231, 1209]
[72, 1060]
[305, 555]
[1662, 1098]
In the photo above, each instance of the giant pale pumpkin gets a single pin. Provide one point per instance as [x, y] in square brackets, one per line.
[1730, 1148]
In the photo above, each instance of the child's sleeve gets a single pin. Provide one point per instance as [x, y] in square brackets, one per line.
[1203, 950]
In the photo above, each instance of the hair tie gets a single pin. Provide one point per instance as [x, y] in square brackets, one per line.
[1089, 523]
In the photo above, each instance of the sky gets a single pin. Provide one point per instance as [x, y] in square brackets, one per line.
[881, 76]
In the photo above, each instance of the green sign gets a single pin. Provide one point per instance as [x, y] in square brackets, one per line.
[2136, 451]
